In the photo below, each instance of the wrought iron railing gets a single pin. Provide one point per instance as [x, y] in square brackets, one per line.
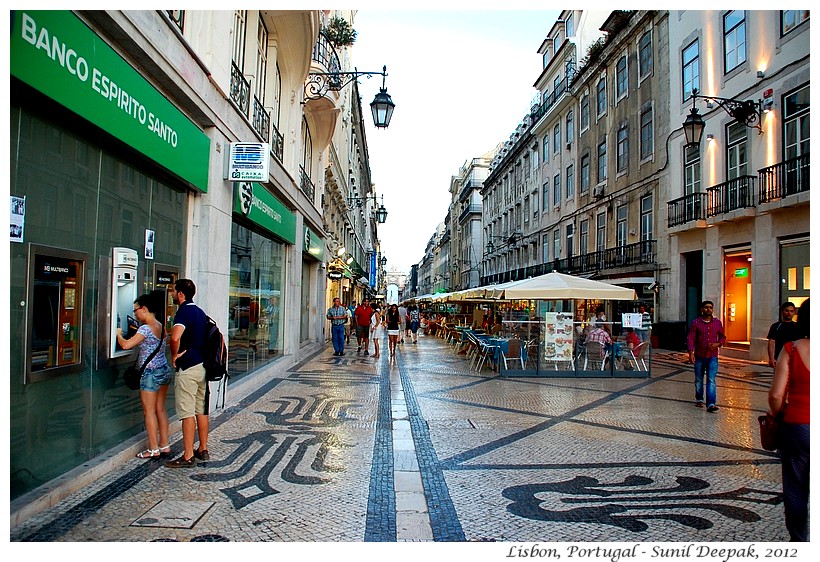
[737, 193]
[783, 179]
[277, 143]
[325, 54]
[306, 185]
[260, 120]
[688, 208]
[468, 210]
[178, 17]
[630, 255]
[240, 89]
[538, 112]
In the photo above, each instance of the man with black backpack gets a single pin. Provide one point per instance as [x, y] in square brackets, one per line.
[190, 387]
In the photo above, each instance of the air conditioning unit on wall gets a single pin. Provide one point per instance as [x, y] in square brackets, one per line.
[598, 191]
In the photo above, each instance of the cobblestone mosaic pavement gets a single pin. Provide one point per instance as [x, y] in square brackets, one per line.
[421, 448]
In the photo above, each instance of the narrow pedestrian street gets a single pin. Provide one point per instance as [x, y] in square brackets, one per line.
[421, 448]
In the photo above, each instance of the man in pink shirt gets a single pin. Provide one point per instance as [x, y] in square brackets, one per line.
[705, 337]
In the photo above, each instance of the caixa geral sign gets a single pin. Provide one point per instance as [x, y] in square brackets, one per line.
[248, 161]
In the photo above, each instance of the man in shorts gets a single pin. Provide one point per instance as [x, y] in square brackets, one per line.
[361, 317]
[190, 385]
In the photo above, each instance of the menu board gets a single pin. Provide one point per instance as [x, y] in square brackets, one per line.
[558, 336]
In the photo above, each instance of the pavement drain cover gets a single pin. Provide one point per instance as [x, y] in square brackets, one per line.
[173, 514]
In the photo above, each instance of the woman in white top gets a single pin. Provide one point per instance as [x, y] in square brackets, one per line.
[376, 329]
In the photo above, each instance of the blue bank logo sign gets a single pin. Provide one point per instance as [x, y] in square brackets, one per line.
[248, 161]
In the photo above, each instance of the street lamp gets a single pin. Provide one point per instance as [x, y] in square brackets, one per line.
[748, 113]
[510, 240]
[319, 83]
[381, 212]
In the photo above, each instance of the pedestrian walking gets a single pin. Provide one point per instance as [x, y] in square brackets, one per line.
[705, 337]
[393, 320]
[415, 322]
[404, 324]
[376, 330]
[781, 331]
[190, 387]
[337, 314]
[156, 375]
[791, 379]
[351, 325]
[362, 316]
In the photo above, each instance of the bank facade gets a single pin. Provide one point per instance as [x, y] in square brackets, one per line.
[123, 129]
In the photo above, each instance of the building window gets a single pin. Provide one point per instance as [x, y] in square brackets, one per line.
[556, 138]
[691, 69]
[583, 242]
[526, 209]
[647, 219]
[600, 92]
[584, 112]
[556, 243]
[691, 170]
[645, 55]
[647, 132]
[178, 17]
[570, 127]
[737, 156]
[570, 237]
[570, 181]
[240, 19]
[620, 227]
[556, 85]
[545, 196]
[734, 39]
[545, 247]
[570, 26]
[546, 153]
[621, 78]
[600, 232]
[789, 19]
[556, 189]
[622, 153]
[796, 123]
[585, 173]
[602, 162]
[261, 61]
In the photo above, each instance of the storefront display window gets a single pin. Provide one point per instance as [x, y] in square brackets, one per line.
[254, 307]
[737, 270]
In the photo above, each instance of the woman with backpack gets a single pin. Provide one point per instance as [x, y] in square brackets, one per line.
[157, 374]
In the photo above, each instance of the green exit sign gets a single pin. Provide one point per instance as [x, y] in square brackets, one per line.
[742, 272]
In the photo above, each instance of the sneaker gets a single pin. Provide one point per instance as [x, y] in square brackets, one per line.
[359, 350]
[365, 352]
[181, 462]
[712, 408]
[342, 353]
[699, 404]
[202, 455]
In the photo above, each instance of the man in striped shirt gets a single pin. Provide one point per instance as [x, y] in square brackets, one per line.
[705, 337]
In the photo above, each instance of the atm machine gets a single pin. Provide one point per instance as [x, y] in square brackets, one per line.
[165, 277]
[123, 294]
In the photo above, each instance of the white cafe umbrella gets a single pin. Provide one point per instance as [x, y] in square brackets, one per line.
[555, 286]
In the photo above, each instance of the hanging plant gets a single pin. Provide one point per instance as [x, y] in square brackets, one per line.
[340, 32]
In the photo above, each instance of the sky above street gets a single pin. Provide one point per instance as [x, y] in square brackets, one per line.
[461, 81]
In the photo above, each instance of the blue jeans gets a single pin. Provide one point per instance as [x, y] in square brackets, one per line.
[794, 454]
[707, 366]
[337, 332]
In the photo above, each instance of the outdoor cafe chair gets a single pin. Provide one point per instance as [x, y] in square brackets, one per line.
[514, 352]
[635, 356]
[488, 351]
[595, 356]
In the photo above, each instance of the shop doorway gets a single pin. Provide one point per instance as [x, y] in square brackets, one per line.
[737, 297]
[693, 271]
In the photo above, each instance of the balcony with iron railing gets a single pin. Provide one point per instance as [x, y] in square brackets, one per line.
[240, 89]
[306, 185]
[629, 256]
[686, 209]
[471, 209]
[538, 112]
[260, 120]
[325, 54]
[732, 195]
[783, 179]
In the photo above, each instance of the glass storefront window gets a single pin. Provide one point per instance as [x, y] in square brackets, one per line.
[254, 305]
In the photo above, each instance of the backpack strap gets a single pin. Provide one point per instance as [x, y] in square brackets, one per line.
[156, 350]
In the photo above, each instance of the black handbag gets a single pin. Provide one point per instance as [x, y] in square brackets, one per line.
[133, 374]
[769, 426]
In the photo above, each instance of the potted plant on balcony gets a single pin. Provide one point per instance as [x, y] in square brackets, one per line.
[340, 32]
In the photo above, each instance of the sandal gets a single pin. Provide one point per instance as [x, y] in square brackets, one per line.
[149, 454]
[165, 451]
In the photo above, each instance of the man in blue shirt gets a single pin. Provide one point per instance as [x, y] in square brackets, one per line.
[190, 386]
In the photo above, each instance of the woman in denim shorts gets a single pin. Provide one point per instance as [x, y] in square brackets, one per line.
[157, 374]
